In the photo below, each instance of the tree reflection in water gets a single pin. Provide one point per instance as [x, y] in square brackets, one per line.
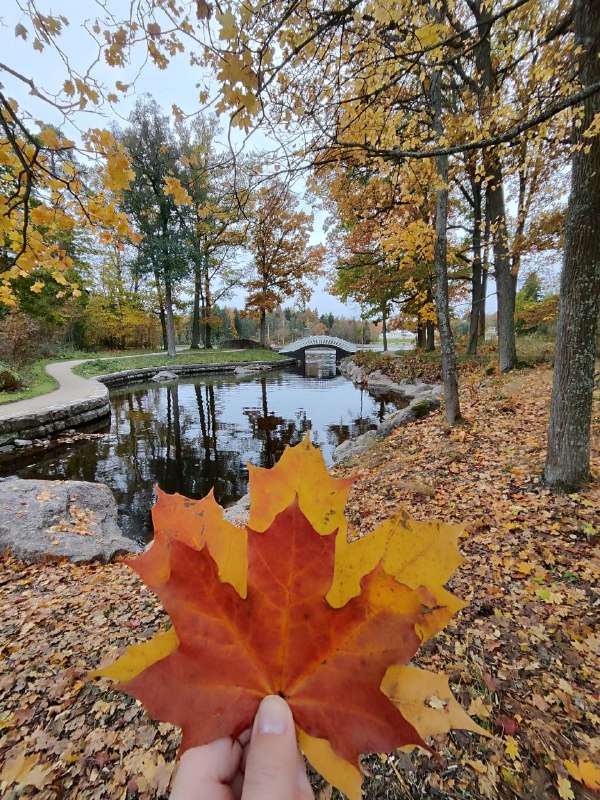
[191, 436]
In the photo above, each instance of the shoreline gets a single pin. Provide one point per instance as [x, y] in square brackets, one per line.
[81, 401]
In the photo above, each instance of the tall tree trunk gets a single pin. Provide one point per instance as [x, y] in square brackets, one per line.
[420, 336]
[568, 456]
[477, 279]
[207, 310]
[449, 371]
[263, 327]
[383, 326]
[506, 284]
[195, 342]
[161, 309]
[484, 274]
[170, 323]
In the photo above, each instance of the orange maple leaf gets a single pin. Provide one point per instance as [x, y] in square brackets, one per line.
[293, 608]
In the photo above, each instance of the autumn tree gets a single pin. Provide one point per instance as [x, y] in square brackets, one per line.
[211, 192]
[283, 262]
[568, 455]
[154, 157]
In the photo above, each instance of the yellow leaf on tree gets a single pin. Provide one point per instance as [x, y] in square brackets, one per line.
[177, 191]
[229, 28]
[50, 138]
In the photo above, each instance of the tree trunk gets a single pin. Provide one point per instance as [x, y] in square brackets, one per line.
[170, 324]
[161, 310]
[207, 312]
[420, 336]
[449, 371]
[429, 337]
[568, 457]
[195, 342]
[383, 328]
[477, 279]
[506, 284]
[484, 278]
[263, 328]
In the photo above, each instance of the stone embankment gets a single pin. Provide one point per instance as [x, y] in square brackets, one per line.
[130, 377]
[421, 398]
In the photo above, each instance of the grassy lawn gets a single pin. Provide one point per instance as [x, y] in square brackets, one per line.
[37, 381]
[99, 366]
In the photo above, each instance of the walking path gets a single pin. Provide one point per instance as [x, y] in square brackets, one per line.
[72, 388]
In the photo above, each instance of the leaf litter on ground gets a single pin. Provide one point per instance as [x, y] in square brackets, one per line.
[522, 656]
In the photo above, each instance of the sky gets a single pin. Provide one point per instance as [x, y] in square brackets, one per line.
[179, 84]
[175, 85]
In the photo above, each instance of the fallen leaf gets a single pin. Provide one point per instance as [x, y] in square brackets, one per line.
[584, 772]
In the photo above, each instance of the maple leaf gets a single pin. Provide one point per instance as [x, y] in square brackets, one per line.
[292, 608]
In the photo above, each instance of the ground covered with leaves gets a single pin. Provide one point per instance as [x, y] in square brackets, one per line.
[523, 656]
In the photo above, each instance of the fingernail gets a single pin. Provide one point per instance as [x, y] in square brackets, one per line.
[273, 715]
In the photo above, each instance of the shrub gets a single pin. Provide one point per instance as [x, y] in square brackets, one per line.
[10, 381]
[371, 361]
[19, 338]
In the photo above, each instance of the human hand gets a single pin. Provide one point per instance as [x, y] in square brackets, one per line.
[264, 764]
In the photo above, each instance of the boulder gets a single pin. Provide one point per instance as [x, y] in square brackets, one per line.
[423, 404]
[352, 371]
[417, 408]
[395, 420]
[378, 383]
[250, 369]
[353, 447]
[163, 376]
[53, 520]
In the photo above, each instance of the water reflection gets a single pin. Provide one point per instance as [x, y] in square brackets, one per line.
[189, 437]
[320, 363]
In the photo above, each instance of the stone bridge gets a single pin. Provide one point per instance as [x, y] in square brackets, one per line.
[298, 348]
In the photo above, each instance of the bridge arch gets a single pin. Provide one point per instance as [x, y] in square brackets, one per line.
[298, 348]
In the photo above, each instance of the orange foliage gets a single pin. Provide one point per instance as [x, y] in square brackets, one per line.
[296, 609]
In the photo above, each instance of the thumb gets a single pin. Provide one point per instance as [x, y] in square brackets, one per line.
[274, 767]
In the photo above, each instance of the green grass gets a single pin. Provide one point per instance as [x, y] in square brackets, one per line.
[37, 381]
[98, 366]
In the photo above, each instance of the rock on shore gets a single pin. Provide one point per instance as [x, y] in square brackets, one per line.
[422, 397]
[52, 520]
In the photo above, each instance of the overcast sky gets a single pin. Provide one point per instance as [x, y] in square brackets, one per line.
[175, 85]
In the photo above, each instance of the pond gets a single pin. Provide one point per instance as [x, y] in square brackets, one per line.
[191, 435]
